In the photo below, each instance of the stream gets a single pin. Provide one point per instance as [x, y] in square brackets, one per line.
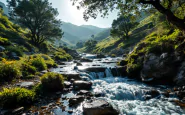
[126, 95]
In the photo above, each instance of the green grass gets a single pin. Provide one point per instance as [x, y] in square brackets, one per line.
[14, 97]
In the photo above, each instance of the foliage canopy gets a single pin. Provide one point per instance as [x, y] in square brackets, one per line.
[38, 16]
[174, 10]
[122, 25]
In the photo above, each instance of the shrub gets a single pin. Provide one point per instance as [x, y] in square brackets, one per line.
[52, 81]
[38, 63]
[28, 69]
[17, 50]
[9, 70]
[113, 55]
[62, 56]
[10, 98]
[46, 59]
[4, 41]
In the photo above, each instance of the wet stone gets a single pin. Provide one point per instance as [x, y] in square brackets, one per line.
[98, 107]
[76, 100]
[18, 111]
[84, 93]
[44, 107]
[79, 85]
[67, 84]
[70, 111]
[75, 76]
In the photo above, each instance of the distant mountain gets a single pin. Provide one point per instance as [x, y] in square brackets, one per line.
[94, 28]
[74, 33]
[5, 9]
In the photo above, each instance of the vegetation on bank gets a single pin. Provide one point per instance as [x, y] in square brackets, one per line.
[162, 40]
[52, 82]
[21, 59]
[13, 97]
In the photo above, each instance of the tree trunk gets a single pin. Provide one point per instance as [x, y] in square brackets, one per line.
[180, 23]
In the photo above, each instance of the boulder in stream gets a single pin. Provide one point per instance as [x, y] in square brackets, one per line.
[79, 85]
[85, 60]
[76, 100]
[75, 76]
[98, 107]
[84, 93]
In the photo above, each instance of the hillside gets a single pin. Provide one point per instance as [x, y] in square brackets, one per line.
[74, 33]
[113, 45]
[102, 35]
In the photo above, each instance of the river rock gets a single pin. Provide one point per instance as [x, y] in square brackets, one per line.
[28, 85]
[67, 84]
[153, 93]
[76, 100]
[101, 56]
[158, 69]
[18, 111]
[98, 107]
[75, 76]
[180, 78]
[84, 93]
[85, 60]
[78, 64]
[79, 85]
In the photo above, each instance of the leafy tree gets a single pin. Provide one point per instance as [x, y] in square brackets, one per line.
[79, 44]
[122, 25]
[39, 17]
[174, 10]
[90, 44]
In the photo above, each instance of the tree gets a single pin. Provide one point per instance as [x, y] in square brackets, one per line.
[174, 10]
[79, 44]
[39, 17]
[90, 44]
[122, 25]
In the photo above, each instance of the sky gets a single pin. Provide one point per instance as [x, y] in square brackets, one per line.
[69, 13]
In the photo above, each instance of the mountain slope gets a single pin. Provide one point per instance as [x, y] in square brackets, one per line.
[94, 28]
[102, 35]
[74, 33]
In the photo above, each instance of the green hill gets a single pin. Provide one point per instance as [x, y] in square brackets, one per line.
[74, 33]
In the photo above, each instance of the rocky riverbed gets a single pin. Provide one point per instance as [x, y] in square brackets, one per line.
[99, 87]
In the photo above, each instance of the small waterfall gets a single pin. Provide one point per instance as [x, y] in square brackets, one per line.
[108, 73]
[95, 75]
[100, 74]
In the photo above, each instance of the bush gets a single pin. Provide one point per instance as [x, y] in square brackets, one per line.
[45, 58]
[62, 56]
[38, 63]
[4, 41]
[17, 50]
[9, 70]
[113, 55]
[52, 81]
[28, 69]
[10, 98]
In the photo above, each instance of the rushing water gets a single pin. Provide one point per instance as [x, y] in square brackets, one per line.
[124, 94]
